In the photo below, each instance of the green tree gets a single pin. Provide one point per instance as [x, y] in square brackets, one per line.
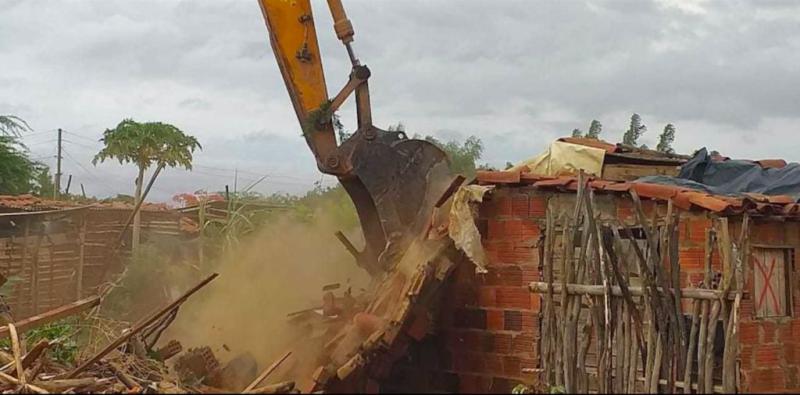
[635, 130]
[577, 132]
[43, 181]
[666, 139]
[145, 145]
[463, 156]
[594, 130]
[17, 171]
[11, 125]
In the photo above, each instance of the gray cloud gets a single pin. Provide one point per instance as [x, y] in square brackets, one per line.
[515, 73]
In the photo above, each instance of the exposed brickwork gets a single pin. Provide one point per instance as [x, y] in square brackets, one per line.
[770, 349]
[489, 326]
[492, 337]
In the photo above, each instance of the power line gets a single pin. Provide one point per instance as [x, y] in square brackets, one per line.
[91, 175]
[82, 136]
[79, 144]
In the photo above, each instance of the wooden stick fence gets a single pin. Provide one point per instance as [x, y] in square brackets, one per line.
[612, 318]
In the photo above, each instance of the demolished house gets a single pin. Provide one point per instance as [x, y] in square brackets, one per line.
[599, 268]
[591, 268]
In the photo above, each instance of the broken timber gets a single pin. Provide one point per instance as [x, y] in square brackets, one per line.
[53, 315]
[267, 372]
[140, 326]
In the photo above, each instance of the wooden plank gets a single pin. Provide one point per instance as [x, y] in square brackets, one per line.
[770, 282]
[53, 315]
[626, 172]
[261, 377]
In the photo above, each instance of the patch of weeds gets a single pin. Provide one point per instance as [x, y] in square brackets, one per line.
[60, 334]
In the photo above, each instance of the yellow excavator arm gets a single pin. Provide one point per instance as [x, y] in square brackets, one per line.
[390, 178]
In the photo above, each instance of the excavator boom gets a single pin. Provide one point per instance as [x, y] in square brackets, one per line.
[391, 179]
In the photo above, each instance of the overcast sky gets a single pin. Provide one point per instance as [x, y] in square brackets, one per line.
[517, 74]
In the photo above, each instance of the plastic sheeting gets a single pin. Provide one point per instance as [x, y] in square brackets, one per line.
[563, 159]
[733, 177]
[462, 229]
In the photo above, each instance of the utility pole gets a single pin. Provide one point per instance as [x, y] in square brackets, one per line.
[57, 189]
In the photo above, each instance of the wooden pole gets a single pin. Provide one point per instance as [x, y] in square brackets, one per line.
[597, 290]
[81, 258]
[549, 313]
[35, 274]
[687, 373]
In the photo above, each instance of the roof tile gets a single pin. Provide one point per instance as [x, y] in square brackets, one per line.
[498, 177]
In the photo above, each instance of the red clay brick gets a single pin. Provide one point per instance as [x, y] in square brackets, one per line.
[469, 318]
[770, 379]
[494, 364]
[529, 273]
[536, 301]
[746, 355]
[538, 206]
[512, 366]
[519, 205]
[530, 322]
[784, 332]
[524, 343]
[767, 355]
[513, 320]
[791, 352]
[512, 254]
[697, 230]
[497, 343]
[691, 258]
[496, 229]
[487, 297]
[463, 340]
[513, 298]
[748, 332]
[495, 320]
[769, 330]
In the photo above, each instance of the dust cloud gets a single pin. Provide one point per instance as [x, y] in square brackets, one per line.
[279, 270]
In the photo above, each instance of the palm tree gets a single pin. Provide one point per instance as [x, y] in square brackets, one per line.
[146, 144]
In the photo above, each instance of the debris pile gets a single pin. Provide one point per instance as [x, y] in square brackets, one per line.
[130, 363]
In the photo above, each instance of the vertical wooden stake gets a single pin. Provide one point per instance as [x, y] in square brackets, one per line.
[81, 259]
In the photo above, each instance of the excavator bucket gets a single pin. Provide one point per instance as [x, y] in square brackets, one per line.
[393, 181]
[394, 185]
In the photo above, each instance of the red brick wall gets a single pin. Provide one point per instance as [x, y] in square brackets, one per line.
[488, 329]
[489, 325]
[770, 347]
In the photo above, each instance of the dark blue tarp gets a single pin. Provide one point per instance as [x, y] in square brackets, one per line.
[733, 177]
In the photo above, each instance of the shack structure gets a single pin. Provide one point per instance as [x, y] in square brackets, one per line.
[627, 287]
[53, 253]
